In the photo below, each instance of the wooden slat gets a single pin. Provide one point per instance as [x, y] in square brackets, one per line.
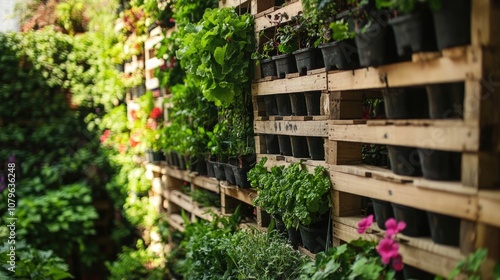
[206, 212]
[489, 207]
[315, 82]
[244, 195]
[440, 70]
[175, 221]
[453, 204]
[210, 184]
[181, 200]
[457, 136]
[291, 10]
[295, 128]
[178, 174]
[233, 3]
[345, 204]
[274, 160]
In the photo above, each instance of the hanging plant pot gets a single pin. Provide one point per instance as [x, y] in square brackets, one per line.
[285, 64]
[316, 146]
[376, 46]
[383, 212]
[411, 272]
[228, 171]
[405, 103]
[315, 236]
[313, 101]
[440, 165]
[306, 59]
[220, 174]
[284, 106]
[294, 237]
[268, 67]
[272, 144]
[452, 23]
[280, 225]
[285, 145]
[444, 229]
[340, 55]
[446, 101]
[298, 103]
[240, 176]
[404, 160]
[414, 33]
[416, 220]
[299, 146]
[271, 106]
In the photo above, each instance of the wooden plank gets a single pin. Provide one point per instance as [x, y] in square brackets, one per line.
[295, 128]
[181, 200]
[453, 204]
[263, 219]
[480, 170]
[343, 105]
[440, 70]
[379, 173]
[291, 10]
[343, 153]
[274, 160]
[206, 213]
[307, 252]
[345, 204]
[484, 28]
[244, 195]
[176, 221]
[178, 174]
[207, 183]
[233, 3]
[489, 207]
[315, 82]
[455, 137]
[455, 187]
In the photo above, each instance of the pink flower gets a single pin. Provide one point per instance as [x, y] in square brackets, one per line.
[397, 263]
[392, 227]
[387, 249]
[364, 224]
[105, 136]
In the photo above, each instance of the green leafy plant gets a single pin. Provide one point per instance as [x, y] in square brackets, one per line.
[471, 267]
[340, 30]
[217, 52]
[206, 198]
[286, 39]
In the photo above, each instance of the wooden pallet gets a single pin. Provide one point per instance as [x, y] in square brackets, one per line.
[261, 18]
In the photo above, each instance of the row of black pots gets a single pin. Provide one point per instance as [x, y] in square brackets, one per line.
[233, 172]
[184, 162]
[295, 104]
[442, 228]
[296, 146]
[313, 237]
[154, 156]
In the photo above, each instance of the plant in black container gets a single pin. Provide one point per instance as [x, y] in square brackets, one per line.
[338, 47]
[307, 56]
[452, 19]
[286, 44]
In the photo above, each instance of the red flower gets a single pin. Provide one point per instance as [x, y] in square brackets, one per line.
[365, 224]
[105, 135]
[155, 113]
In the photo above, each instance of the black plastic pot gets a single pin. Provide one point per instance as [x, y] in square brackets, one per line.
[440, 165]
[299, 146]
[280, 225]
[154, 156]
[268, 67]
[414, 32]
[182, 162]
[240, 176]
[270, 105]
[306, 59]
[340, 55]
[298, 102]
[220, 174]
[316, 146]
[210, 168]
[405, 103]
[175, 159]
[285, 145]
[285, 64]
[452, 23]
[444, 229]
[198, 165]
[284, 105]
[294, 237]
[416, 220]
[272, 144]
[376, 46]
[168, 157]
[446, 101]
[313, 100]
[383, 212]
[411, 272]
[315, 236]
[404, 160]
[228, 171]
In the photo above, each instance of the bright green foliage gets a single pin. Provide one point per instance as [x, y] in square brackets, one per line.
[32, 263]
[286, 39]
[340, 30]
[217, 52]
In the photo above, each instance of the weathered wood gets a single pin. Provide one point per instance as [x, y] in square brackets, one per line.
[315, 82]
[296, 128]
[480, 170]
[489, 207]
[345, 204]
[263, 218]
[488, 237]
[234, 3]
[244, 195]
[340, 153]
[273, 160]
[181, 200]
[457, 136]
[484, 27]
[342, 105]
[453, 204]
[206, 213]
[176, 221]
[204, 182]
[291, 10]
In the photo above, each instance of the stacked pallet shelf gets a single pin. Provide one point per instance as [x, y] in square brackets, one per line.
[476, 136]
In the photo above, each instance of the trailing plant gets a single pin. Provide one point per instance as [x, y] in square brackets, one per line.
[216, 52]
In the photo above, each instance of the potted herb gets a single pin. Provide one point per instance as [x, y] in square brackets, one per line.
[263, 57]
[339, 48]
[307, 56]
[286, 44]
[452, 19]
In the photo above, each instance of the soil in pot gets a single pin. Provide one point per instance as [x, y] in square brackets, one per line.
[406, 103]
[298, 103]
[404, 160]
[416, 220]
[220, 174]
[316, 146]
[411, 272]
[414, 33]
[313, 101]
[444, 229]
[440, 165]
[285, 64]
[299, 146]
[270, 105]
[340, 55]
[306, 59]
[383, 211]
[272, 144]
[284, 105]
[268, 67]
[446, 101]
[285, 145]
[294, 237]
[315, 236]
[376, 46]
[452, 23]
